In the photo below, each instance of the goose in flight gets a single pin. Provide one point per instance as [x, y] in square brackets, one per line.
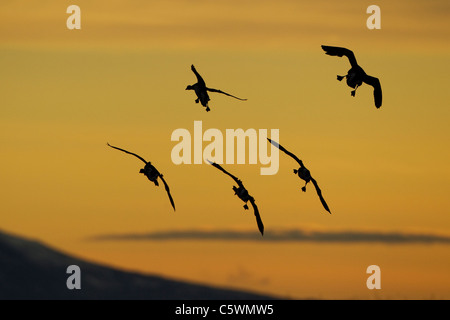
[303, 173]
[201, 90]
[151, 173]
[242, 193]
[356, 75]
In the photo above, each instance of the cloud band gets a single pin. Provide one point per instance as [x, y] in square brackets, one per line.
[285, 235]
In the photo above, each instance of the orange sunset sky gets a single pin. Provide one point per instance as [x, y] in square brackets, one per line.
[121, 79]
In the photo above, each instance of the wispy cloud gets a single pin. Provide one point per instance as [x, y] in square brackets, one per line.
[283, 235]
[221, 24]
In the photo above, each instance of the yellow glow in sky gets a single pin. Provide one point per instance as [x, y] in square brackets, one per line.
[121, 79]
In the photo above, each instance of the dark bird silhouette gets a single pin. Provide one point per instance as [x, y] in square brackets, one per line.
[151, 173]
[356, 75]
[243, 194]
[303, 173]
[201, 90]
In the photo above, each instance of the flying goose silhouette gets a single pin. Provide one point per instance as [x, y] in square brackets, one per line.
[303, 173]
[356, 75]
[242, 193]
[201, 90]
[151, 173]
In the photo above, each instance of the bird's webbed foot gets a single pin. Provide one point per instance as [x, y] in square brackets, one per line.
[245, 206]
[354, 91]
[304, 187]
[197, 101]
[207, 109]
[340, 78]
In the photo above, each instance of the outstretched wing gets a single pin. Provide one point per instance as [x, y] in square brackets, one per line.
[199, 77]
[168, 191]
[338, 51]
[258, 217]
[128, 153]
[319, 193]
[375, 83]
[227, 94]
[276, 144]
[239, 182]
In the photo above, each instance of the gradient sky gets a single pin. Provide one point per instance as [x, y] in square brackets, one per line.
[121, 79]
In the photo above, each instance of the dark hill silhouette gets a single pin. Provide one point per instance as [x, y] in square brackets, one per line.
[31, 270]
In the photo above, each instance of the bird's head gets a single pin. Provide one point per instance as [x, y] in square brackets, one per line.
[189, 87]
[142, 171]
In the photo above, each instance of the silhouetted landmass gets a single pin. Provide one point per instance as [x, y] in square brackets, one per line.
[31, 270]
